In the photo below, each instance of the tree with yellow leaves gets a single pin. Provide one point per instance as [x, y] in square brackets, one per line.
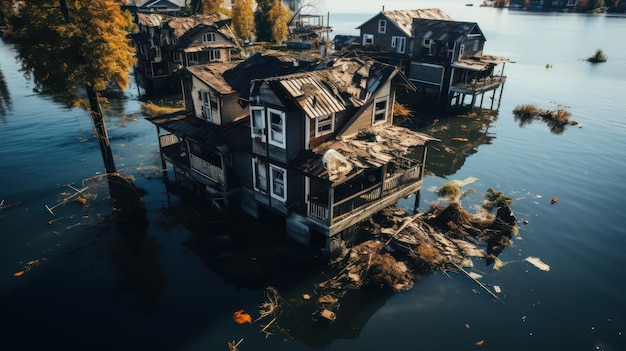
[209, 7]
[279, 16]
[243, 19]
[67, 44]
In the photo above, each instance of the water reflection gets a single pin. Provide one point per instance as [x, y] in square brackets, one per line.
[136, 256]
[460, 136]
[5, 98]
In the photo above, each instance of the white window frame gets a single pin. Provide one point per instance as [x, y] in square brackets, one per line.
[257, 127]
[399, 43]
[461, 51]
[382, 26]
[278, 184]
[368, 39]
[273, 132]
[215, 55]
[322, 122]
[380, 111]
[258, 179]
[208, 37]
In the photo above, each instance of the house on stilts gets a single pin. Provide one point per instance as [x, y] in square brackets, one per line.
[442, 57]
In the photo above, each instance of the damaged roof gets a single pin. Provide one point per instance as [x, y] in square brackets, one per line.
[347, 82]
[213, 75]
[150, 20]
[403, 19]
[480, 63]
[370, 148]
[444, 30]
[180, 25]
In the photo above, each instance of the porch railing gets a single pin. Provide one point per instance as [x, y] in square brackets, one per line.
[350, 204]
[168, 139]
[206, 169]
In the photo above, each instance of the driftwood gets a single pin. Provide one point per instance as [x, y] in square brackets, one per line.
[478, 282]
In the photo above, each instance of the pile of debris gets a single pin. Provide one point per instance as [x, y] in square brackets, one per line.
[403, 246]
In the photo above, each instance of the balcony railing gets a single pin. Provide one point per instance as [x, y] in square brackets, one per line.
[206, 169]
[354, 202]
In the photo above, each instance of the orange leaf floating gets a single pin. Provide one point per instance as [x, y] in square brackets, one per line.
[554, 200]
[241, 317]
[18, 274]
[480, 343]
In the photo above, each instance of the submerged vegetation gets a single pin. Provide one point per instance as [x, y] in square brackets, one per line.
[598, 57]
[556, 120]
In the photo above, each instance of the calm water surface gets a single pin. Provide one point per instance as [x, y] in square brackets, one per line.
[89, 288]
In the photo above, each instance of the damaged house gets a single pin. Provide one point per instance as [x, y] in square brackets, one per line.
[166, 44]
[442, 57]
[316, 146]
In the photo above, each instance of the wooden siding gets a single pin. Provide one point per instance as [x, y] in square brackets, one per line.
[365, 119]
[383, 41]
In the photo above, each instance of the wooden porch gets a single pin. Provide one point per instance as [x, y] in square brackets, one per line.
[370, 199]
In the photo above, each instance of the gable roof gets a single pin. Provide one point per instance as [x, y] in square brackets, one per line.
[403, 19]
[160, 5]
[213, 75]
[181, 25]
[442, 30]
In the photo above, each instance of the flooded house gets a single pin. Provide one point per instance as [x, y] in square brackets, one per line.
[207, 145]
[444, 58]
[165, 44]
[316, 146]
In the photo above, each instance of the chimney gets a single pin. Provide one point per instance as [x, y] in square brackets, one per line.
[383, 7]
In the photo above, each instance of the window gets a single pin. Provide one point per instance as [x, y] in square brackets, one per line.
[324, 125]
[257, 121]
[426, 43]
[193, 57]
[461, 51]
[205, 99]
[259, 170]
[215, 55]
[382, 26]
[278, 180]
[399, 43]
[206, 37]
[277, 127]
[476, 43]
[368, 39]
[380, 110]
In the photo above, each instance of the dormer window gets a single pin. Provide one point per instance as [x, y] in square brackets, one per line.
[382, 26]
[208, 37]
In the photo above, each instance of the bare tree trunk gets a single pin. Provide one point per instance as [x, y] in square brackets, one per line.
[100, 130]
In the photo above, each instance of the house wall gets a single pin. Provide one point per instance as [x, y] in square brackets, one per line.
[364, 120]
[220, 39]
[383, 40]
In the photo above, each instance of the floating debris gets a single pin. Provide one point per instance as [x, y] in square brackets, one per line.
[554, 200]
[241, 317]
[535, 261]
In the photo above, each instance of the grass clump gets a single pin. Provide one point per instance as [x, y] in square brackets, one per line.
[450, 190]
[152, 109]
[494, 199]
